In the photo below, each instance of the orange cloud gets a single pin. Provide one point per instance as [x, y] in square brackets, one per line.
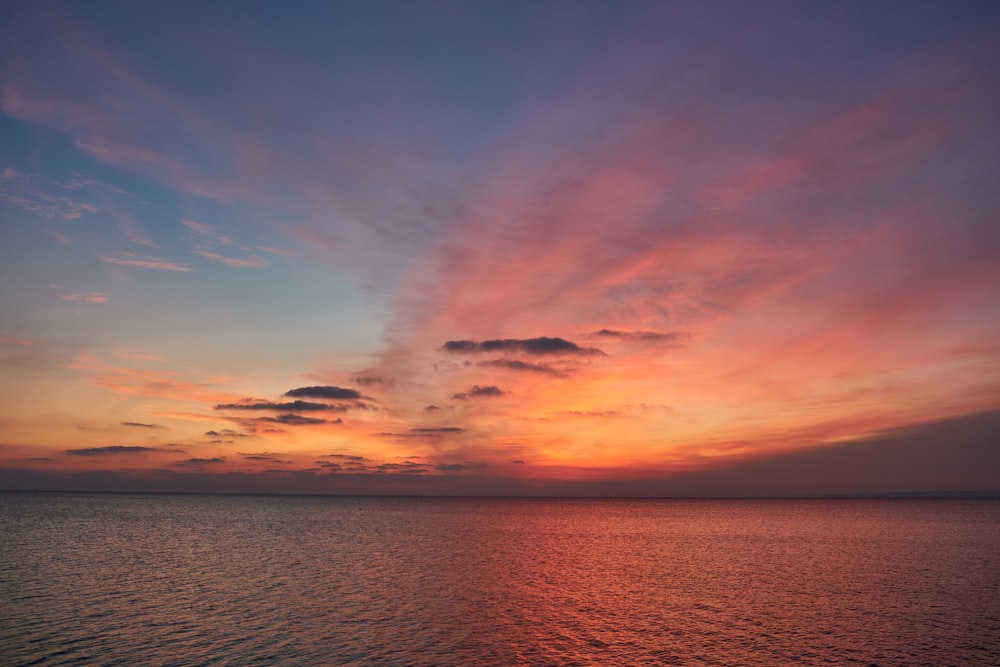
[88, 297]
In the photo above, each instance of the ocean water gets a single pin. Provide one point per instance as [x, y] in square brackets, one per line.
[91, 579]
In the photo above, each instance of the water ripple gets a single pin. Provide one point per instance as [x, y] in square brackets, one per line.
[194, 580]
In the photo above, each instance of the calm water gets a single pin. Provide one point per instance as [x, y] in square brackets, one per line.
[239, 580]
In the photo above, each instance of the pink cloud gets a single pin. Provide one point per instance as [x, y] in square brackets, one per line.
[143, 261]
[251, 262]
[134, 356]
[34, 193]
[200, 227]
[24, 342]
[778, 264]
[131, 229]
[168, 385]
[58, 236]
[284, 252]
[210, 233]
[112, 110]
[87, 297]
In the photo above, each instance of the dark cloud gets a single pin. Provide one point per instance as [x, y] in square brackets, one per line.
[952, 458]
[345, 457]
[489, 390]
[432, 408]
[300, 406]
[518, 365]
[263, 457]
[141, 425]
[198, 462]
[406, 468]
[39, 458]
[110, 449]
[518, 461]
[351, 465]
[449, 467]
[595, 413]
[226, 432]
[298, 420]
[327, 391]
[366, 381]
[641, 336]
[538, 346]
[479, 392]
[423, 433]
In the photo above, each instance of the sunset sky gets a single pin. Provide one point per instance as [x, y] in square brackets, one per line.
[666, 248]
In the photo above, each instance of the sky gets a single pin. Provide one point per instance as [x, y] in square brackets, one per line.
[513, 248]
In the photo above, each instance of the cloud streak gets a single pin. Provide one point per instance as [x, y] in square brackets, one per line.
[110, 450]
[488, 391]
[542, 345]
[251, 262]
[518, 365]
[327, 391]
[297, 420]
[131, 259]
[251, 404]
[87, 297]
[672, 337]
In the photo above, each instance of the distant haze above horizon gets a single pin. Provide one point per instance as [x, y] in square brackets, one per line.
[484, 248]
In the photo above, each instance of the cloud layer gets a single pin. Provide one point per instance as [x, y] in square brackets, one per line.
[743, 234]
[542, 345]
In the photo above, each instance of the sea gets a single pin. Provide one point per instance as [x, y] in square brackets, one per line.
[133, 579]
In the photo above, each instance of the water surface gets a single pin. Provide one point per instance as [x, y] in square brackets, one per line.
[190, 580]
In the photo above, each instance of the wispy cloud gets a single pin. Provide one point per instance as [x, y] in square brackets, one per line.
[251, 262]
[58, 236]
[111, 450]
[17, 340]
[138, 356]
[267, 405]
[131, 228]
[518, 365]
[671, 337]
[206, 236]
[162, 384]
[86, 297]
[43, 197]
[143, 262]
[206, 230]
[543, 345]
